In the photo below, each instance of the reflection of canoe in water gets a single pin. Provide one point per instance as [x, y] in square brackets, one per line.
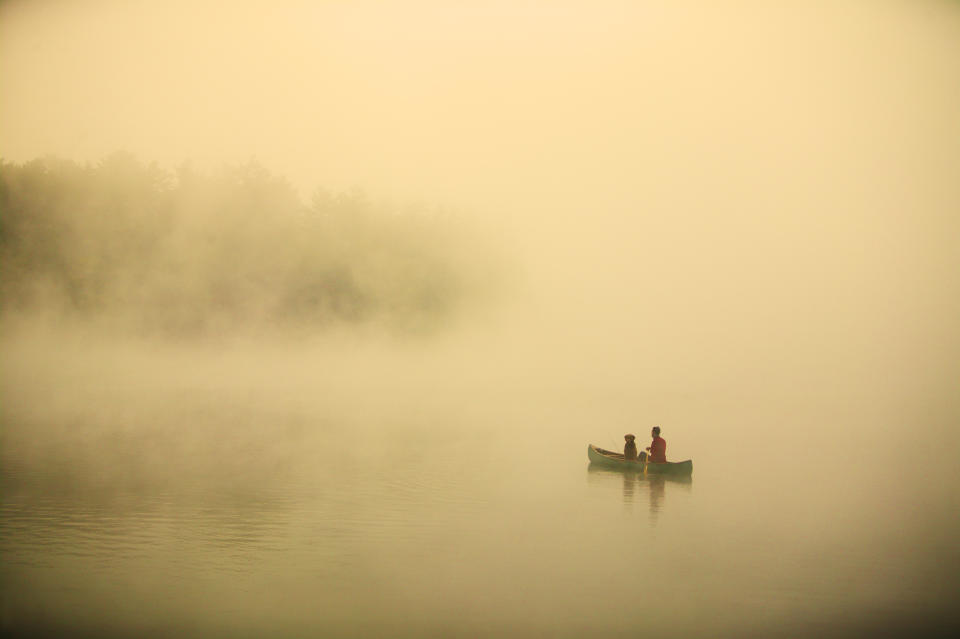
[610, 459]
[598, 470]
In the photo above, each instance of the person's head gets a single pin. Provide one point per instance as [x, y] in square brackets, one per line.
[656, 431]
[629, 438]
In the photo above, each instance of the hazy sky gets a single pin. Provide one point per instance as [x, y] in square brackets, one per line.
[481, 102]
[773, 183]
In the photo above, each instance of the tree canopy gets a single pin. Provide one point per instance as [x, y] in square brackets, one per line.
[187, 252]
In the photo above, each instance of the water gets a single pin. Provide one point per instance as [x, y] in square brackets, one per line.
[394, 508]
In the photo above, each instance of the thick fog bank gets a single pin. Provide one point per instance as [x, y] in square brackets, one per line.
[140, 249]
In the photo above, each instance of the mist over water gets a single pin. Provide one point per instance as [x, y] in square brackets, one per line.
[319, 352]
[244, 492]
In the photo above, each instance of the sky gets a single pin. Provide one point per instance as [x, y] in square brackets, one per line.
[765, 186]
[474, 103]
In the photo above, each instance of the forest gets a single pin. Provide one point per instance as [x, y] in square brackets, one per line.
[186, 252]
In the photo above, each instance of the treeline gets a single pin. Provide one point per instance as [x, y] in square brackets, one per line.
[186, 252]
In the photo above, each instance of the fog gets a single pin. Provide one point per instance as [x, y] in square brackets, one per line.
[782, 172]
[237, 236]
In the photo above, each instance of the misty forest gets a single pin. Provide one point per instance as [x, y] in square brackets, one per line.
[187, 253]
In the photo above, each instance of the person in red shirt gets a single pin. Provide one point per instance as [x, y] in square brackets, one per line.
[658, 447]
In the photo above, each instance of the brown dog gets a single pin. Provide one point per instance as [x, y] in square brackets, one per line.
[630, 448]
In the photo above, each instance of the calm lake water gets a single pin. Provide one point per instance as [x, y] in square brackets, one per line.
[400, 508]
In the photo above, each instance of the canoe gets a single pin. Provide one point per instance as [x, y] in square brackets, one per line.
[610, 459]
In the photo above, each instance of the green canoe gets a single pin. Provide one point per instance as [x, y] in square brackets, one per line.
[611, 459]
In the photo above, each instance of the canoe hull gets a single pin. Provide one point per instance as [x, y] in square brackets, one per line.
[610, 459]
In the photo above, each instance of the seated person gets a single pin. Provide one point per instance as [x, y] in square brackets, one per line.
[630, 448]
[657, 448]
